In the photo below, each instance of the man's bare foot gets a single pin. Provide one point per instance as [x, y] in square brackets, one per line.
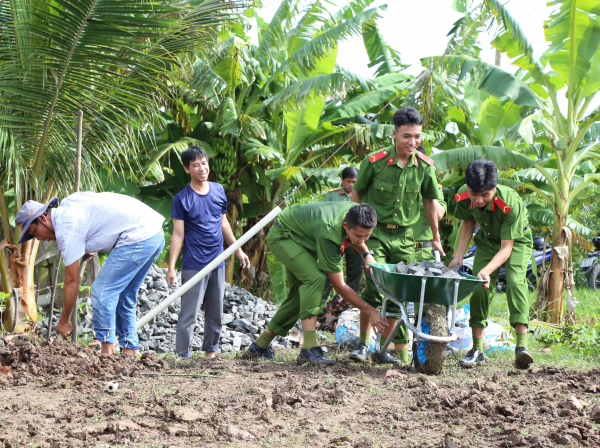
[130, 352]
[210, 355]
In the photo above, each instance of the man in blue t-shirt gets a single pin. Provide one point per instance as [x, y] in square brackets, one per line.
[198, 213]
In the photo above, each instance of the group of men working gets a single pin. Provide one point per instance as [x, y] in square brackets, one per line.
[386, 213]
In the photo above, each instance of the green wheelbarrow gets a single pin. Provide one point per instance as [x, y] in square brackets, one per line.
[436, 298]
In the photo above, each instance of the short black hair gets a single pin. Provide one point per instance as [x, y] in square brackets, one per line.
[191, 154]
[349, 172]
[421, 149]
[407, 115]
[362, 215]
[481, 175]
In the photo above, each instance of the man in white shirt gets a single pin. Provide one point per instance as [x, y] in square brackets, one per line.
[90, 222]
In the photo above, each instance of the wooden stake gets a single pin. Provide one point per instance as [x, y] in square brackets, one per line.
[77, 183]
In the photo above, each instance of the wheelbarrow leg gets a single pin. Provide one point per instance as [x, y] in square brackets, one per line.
[421, 301]
[454, 302]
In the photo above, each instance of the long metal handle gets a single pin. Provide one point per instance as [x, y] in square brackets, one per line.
[209, 268]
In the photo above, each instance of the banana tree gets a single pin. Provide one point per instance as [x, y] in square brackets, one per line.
[109, 58]
[522, 112]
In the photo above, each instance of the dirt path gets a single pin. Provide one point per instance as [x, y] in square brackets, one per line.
[54, 397]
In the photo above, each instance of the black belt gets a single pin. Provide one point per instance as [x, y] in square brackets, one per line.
[276, 223]
[526, 227]
[390, 226]
[424, 244]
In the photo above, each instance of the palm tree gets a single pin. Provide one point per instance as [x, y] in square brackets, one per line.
[109, 58]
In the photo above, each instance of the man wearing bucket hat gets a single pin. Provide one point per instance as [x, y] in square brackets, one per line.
[89, 222]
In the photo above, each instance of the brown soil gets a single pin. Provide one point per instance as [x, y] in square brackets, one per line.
[54, 396]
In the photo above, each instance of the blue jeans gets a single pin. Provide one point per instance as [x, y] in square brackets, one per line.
[114, 293]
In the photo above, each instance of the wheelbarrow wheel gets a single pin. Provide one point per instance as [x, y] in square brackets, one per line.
[429, 356]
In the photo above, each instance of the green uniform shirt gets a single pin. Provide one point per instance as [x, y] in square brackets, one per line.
[395, 192]
[421, 229]
[337, 195]
[319, 229]
[495, 220]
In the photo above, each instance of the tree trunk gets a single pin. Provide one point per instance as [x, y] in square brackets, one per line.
[232, 217]
[554, 305]
[255, 249]
[20, 266]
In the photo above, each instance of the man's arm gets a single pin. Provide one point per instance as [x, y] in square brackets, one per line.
[176, 244]
[230, 239]
[499, 259]
[348, 294]
[70, 293]
[431, 208]
[466, 232]
[356, 196]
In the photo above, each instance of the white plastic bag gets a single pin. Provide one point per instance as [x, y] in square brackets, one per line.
[347, 329]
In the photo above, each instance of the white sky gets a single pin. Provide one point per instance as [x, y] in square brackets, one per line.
[418, 28]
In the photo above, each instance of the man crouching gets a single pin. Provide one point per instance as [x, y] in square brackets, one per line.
[310, 240]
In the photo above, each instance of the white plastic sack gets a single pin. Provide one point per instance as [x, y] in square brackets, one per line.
[495, 336]
[347, 329]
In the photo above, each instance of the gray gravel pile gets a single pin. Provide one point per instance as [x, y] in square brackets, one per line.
[245, 316]
[427, 268]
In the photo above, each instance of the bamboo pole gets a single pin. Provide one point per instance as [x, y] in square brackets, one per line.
[52, 294]
[77, 184]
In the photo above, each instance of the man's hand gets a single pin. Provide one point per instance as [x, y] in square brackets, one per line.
[437, 245]
[64, 327]
[171, 277]
[375, 320]
[244, 260]
[86, 257]
[483, 275]
[456, 261]
[369, 259]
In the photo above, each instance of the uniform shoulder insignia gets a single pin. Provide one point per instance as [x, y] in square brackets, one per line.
[461, 196]
[345, 244]
[424, 158]
[334, 189]
[378, 156]
[500, 203]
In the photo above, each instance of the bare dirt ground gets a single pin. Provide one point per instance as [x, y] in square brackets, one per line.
[54, 396]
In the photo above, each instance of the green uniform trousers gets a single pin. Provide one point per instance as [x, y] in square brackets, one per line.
[304, 280]
[424, 253]
[516, 282]
[354, 273]
[391, 247]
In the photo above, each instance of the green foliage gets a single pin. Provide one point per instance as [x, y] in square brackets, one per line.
[583, 337]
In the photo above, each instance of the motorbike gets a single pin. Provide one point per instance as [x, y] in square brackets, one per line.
[591, 267]
[538, 253]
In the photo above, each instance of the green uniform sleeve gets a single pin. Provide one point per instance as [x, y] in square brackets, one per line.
[429, 187]
[365, 173]
[513, 222]
[461, 210]
[329, 256]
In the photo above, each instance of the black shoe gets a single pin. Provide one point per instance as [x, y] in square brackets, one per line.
[255, 351]
[522, 358]
[384, 358]
[314, 355]
[474, 358]
[361, 353]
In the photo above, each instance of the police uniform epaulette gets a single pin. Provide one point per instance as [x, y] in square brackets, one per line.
[500, 203]
[335, 189]
[378, 156]
[461, 196]
[424, 158]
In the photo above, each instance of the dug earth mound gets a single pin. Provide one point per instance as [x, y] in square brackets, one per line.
[53, 396]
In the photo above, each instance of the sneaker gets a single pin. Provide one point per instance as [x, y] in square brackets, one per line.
[474, 358]
[522, 358]
[361, 353]
[255, 351]
[314, 355]
[384, 358]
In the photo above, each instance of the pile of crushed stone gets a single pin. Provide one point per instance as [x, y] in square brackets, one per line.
[428, 269]
[25, 358]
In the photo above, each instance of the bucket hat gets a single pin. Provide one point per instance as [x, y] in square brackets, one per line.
[28, 213]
